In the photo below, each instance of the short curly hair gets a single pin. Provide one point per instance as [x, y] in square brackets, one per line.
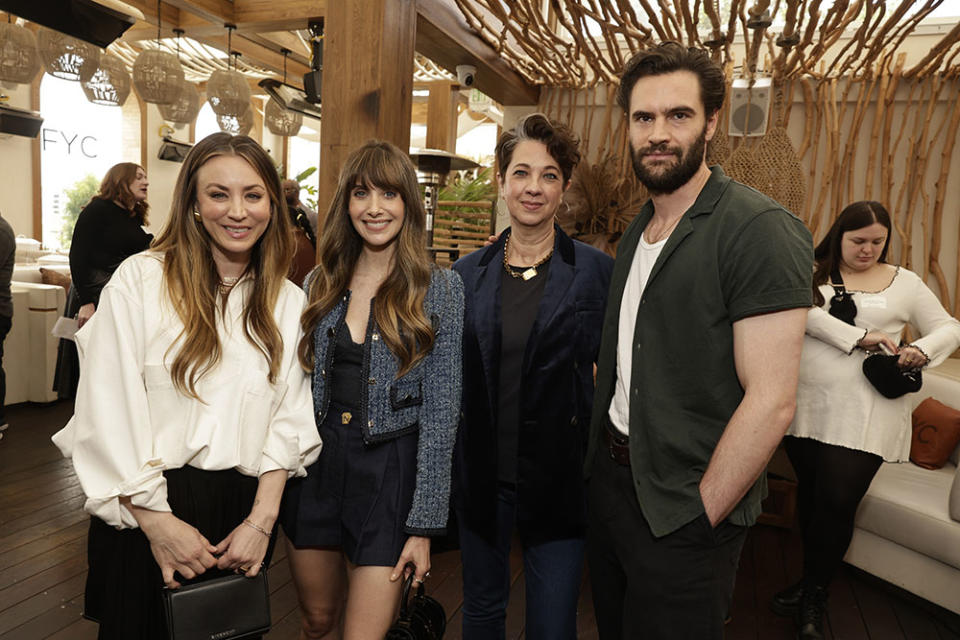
[668, 57]
[562, 144]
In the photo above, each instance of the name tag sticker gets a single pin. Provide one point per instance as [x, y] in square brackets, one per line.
[873, 302]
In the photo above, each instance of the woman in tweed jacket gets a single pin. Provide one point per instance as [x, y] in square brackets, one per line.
[382, 334]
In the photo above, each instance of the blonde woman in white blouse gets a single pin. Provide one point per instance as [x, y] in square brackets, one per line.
[192, 409]
[843, 428]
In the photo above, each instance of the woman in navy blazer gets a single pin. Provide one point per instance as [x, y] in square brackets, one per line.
[532, 323]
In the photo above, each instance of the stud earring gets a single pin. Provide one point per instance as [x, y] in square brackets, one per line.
[196, 214]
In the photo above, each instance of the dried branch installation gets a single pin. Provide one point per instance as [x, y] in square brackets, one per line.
[865, 106]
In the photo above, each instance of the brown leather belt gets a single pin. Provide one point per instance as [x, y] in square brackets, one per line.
[618, 445]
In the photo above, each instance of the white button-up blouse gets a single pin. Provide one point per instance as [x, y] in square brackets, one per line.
[130, 422]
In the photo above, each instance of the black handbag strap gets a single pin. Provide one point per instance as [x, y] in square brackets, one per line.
[405, 592]
[842, 305]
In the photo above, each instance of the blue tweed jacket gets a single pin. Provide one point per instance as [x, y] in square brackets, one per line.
[427, 398]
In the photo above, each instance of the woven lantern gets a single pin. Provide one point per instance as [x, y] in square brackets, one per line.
[157, 76]
[280, 120]
[107, 83]
[19, 60]
[63, 56]
[185, 108]
[228, 93]
[237, 125]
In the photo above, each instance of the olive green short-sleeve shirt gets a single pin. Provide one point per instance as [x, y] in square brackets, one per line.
[734, 254]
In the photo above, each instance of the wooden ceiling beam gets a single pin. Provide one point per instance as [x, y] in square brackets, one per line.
[444, 36]
[274, 15]
[257, 54]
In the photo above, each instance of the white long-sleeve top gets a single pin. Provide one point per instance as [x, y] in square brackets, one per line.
[130, 422]
[836, 403]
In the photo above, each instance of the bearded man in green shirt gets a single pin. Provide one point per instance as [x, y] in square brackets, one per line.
[697, 372]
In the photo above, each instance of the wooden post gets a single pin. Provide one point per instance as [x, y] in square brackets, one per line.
[367, 87]
[35, 163]
[442, 116]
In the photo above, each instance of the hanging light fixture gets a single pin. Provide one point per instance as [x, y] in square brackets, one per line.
[63, 55]
[227, 91]
[107, 83]
[19, 59]
[157, 75]
[280, 120]
[237, 125]
[187, 105]
[185, 108]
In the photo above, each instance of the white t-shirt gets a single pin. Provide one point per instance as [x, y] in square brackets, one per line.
[643, 261]
[130, 423]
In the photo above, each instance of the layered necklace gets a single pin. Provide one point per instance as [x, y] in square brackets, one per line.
[526, 273]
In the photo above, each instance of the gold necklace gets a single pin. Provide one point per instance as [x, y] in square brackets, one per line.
[528, 272]
[663, 234]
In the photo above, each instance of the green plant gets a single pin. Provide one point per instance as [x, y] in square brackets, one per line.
[78, 196]
[464, 188]
[311, 190]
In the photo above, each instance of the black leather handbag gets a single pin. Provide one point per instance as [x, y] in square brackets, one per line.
[421, 617]
[888, 378]
[229, 608]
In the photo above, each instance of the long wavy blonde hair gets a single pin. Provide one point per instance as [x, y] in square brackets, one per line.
[190, 274]
[398, 306]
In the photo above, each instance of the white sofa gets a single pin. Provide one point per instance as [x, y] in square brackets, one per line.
[30, 351]
[904, 533]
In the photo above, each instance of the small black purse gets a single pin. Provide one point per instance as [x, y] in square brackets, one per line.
[881, 370]
[229, 608]
[421, 618]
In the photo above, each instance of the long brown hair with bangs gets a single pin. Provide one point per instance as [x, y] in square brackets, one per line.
[398, 305]
[190, 274]
[115, 186]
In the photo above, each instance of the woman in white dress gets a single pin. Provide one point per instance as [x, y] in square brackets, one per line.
[844, 428]
[192, 409]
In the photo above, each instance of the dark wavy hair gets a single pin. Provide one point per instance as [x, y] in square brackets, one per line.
[115, 187]
[828, 253]
[562, 145]
[668, 57]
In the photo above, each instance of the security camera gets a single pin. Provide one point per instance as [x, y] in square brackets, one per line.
[466, 74]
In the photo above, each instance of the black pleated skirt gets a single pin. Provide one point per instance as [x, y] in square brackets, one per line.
[124, 584]
[356, 497]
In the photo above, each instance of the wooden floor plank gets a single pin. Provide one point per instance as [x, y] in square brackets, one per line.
[43, 566]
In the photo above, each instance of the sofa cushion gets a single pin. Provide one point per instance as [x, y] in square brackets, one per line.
[936, 432]
[910, 506]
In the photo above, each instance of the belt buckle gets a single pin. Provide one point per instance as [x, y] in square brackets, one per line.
[346, 417]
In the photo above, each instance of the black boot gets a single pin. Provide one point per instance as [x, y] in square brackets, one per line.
[787, 602]
[813, 607]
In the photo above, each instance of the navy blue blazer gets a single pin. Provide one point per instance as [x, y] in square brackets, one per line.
[557, 391]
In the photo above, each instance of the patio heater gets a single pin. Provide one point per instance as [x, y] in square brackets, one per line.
[433, 166]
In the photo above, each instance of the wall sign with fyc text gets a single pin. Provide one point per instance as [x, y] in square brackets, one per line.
[68, 142]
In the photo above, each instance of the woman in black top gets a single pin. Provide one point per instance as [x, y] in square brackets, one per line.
[532, 324]
[108, 230]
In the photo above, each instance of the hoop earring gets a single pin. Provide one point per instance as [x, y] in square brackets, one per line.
[196, 213]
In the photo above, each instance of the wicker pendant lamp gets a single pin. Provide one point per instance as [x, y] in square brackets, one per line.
[187, 105]
[107, 83]
[157, 75]
[185, 108]
[237, 125]
[227, 91]
[63, 55]
[19, 59]
[280, 120]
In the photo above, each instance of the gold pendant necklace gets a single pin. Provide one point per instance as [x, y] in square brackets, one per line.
[528, 272]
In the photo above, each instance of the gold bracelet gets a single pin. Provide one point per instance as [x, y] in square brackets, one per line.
[258, 528]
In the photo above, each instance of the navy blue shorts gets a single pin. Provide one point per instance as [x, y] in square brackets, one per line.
[356, 496]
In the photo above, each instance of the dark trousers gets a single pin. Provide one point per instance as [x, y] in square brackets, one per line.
[552, 570]
[832, 482]
[5, 323]
[677, 587]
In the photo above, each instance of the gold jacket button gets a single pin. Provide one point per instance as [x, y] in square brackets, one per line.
[376, 336]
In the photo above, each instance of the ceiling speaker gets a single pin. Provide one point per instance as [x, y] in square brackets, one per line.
[750, 107]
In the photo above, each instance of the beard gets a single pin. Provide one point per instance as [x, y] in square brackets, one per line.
[669, 179]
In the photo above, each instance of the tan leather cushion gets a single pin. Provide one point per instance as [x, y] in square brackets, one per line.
[936, 432]
[955, 497]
